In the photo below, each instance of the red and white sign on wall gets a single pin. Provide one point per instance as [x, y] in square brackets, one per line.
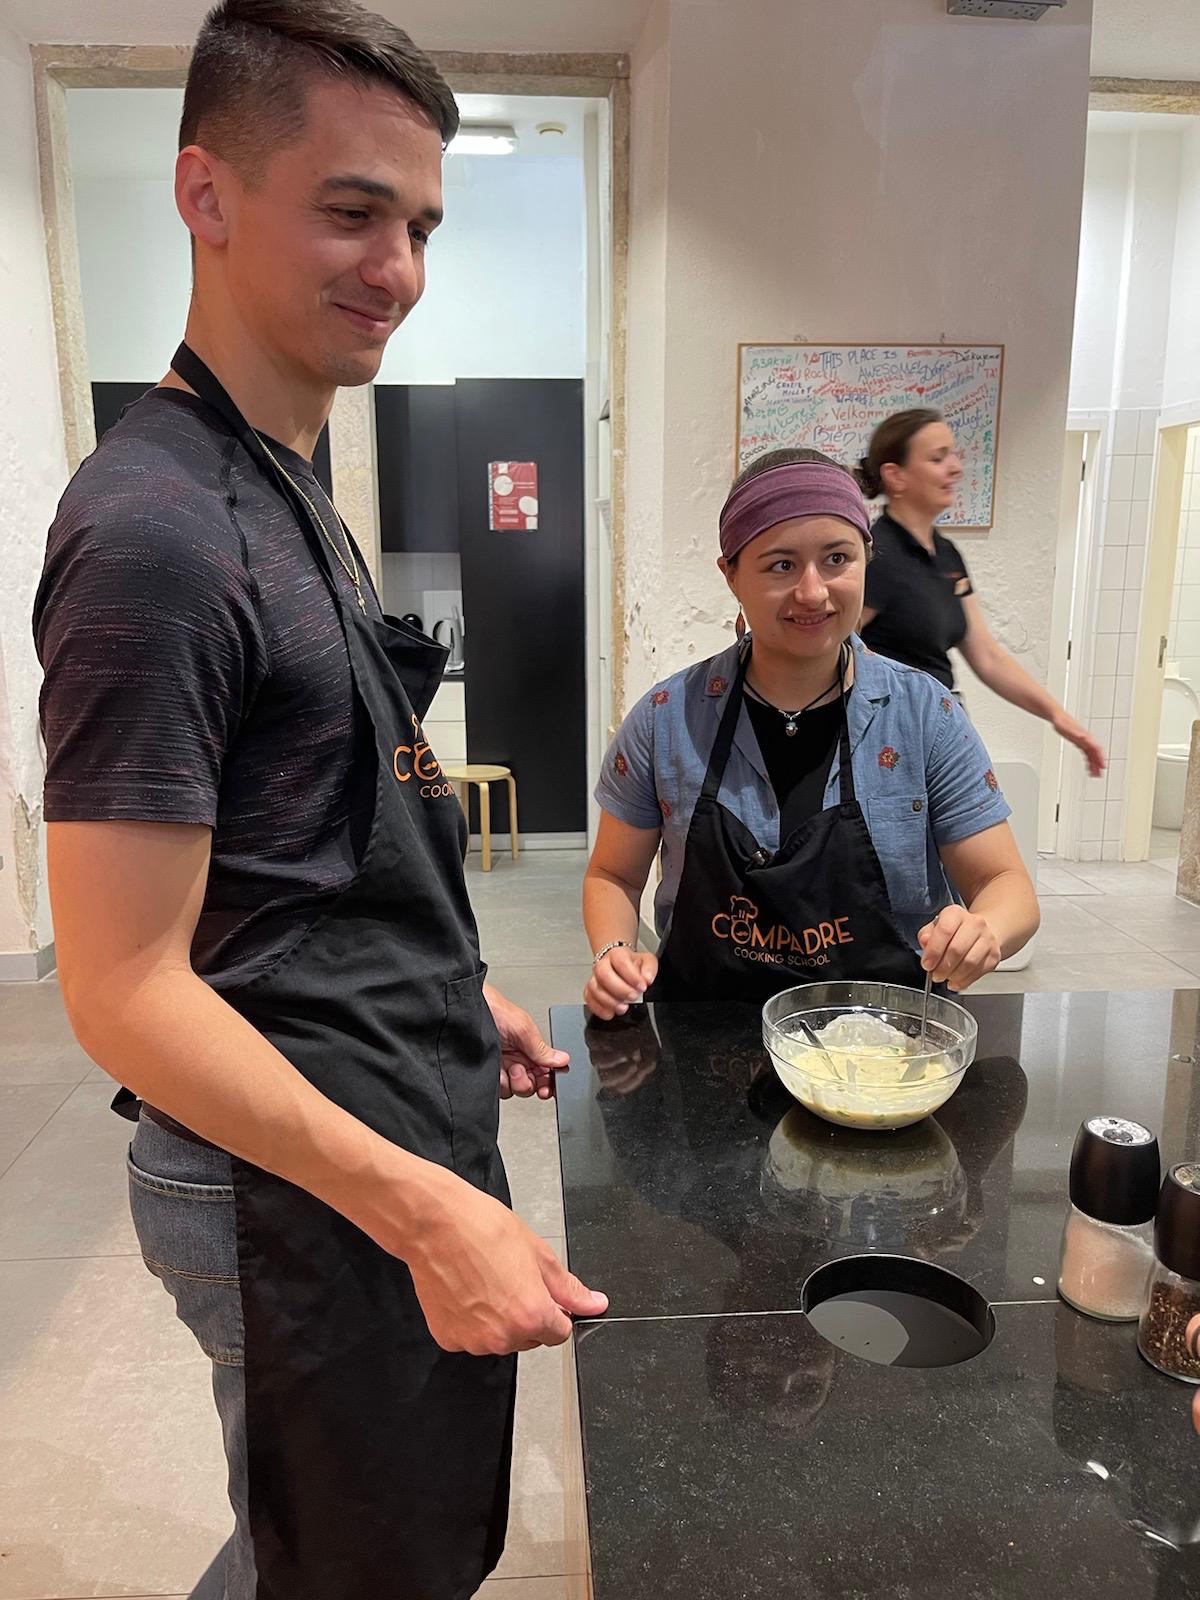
[513, 494]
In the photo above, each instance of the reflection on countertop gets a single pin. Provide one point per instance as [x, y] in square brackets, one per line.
[731, 1451]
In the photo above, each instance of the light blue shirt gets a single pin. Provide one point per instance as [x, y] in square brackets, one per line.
[921, 775]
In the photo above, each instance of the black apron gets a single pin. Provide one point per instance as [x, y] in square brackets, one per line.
[747, 923]
[378, 1464]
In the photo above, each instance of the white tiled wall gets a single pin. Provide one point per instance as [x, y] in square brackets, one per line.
[1122, 556]
[407, 576]
[1183, 636]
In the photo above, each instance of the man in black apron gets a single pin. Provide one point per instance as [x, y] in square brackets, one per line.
[287, 974]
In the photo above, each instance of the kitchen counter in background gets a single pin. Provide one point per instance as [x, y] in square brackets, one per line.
[730, 1451]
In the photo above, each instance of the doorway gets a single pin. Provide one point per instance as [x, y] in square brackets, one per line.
[1166, 699]
[1077, 650]
[1133, 375]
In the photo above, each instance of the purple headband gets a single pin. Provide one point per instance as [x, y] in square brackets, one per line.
[796, 489]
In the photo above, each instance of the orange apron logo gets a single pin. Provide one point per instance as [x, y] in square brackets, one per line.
[417, 760]
[778, 945]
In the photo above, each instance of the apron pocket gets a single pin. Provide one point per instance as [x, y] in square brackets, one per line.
[899, 831]
[468, 1056]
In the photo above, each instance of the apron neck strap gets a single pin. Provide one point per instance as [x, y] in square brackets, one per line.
[719, 759]
[845, 765]
[723, 744]
[186, 364]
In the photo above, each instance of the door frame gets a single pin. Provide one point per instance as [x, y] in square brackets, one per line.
[1154, 625]
[1073, 616]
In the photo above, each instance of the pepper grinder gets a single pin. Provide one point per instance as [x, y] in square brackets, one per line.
[1173, 1296]
[1107, 1249]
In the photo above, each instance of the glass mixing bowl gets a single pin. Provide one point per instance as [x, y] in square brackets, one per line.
[868, 1078]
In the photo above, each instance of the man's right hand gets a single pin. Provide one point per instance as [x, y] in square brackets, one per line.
[619, 981]
[487, 1284]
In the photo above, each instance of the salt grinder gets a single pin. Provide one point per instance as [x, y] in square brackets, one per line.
[1107, 1249]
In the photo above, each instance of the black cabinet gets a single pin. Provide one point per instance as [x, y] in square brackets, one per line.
[523, 596]
[416, 452]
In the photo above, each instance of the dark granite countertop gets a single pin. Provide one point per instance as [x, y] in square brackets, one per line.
[731, 1451]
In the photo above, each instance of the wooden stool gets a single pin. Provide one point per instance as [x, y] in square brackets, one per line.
[482, 777]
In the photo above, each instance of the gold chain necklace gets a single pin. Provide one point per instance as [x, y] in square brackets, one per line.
[347, 562]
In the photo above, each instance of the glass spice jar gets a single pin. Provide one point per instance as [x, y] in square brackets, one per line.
[1107, 1249]
[1173, 1297]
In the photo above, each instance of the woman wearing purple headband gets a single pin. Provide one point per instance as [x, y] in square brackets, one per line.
[820, 812]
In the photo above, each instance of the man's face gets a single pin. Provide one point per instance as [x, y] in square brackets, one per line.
[325, 252]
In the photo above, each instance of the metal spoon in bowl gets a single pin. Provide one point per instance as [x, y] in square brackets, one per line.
[917, 1065]
[810, 1035]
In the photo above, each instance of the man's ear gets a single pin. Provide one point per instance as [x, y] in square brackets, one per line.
[202, 194]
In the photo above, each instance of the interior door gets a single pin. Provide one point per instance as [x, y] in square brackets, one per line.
[523, 597]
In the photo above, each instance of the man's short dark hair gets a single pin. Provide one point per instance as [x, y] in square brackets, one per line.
[255, 61]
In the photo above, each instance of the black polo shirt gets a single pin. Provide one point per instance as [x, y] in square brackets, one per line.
[918, 599]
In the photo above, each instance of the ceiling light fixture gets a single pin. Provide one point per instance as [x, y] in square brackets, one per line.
[480, 139]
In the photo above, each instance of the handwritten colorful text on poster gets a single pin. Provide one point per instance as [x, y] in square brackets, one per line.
[831, 397]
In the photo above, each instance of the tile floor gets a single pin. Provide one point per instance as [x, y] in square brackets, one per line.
[111, 1478]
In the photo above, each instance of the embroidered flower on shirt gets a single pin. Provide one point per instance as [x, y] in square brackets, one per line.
[889, 758]
[990, 779]
[665, 807]
[620, 765]
[661, 698]
[718, 685]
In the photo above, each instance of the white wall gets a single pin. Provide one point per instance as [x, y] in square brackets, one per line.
[33, 471]
[136, 271]
[646, 374]
[1102, 249]
[1183, 635]
[1108, 620]
[1181, 381]
[505, 294]
[1136, 352]
[809, 192]
[1128, 268]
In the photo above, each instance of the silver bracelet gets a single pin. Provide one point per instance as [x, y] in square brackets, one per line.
[616, 944]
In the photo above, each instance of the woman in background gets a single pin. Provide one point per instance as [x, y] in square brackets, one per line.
[920, 603]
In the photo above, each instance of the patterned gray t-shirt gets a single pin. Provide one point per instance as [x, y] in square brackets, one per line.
[196, 671]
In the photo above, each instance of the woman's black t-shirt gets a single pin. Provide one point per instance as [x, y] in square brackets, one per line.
[798, 764]
[917, 599]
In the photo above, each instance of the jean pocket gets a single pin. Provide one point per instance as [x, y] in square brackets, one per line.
[468, 1054]
[188, 1237]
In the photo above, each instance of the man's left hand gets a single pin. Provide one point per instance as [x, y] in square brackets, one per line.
[527, 1063]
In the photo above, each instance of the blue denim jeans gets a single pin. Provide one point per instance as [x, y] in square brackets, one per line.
[181, 1196]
